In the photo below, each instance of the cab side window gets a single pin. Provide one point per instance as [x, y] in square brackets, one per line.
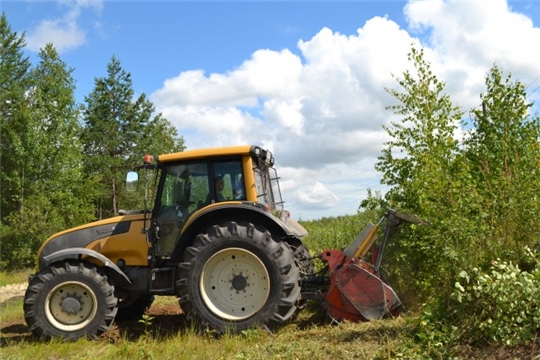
[228, 181]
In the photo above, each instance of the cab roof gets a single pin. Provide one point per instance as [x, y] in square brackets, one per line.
[206, 153]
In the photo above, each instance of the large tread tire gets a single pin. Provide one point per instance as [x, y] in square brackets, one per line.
[304, 261]
[69, 300]
[237, 276]
[303, 258]
[133, 308]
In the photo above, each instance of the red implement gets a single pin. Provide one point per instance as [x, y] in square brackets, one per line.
[357, 293]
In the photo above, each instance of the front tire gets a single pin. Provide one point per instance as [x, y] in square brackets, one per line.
[69, 300]
[237, 276]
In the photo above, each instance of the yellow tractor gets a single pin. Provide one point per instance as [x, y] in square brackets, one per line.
[216, 237]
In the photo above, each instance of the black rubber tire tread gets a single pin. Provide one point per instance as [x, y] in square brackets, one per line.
[304, 261]
[276, 256]
[302, 257]
[47, 279]
[133, 308]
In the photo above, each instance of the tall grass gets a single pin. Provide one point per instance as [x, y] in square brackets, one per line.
[336, 232]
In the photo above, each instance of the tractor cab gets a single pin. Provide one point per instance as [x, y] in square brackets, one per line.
[203, 184]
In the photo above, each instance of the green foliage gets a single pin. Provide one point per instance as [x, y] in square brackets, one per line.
[14, 82]
[43, 188]
[119, 130]
[336, 232]
[421, 163]
[146, 320]
[55, 172]
[480, 197]
[493, 306]
[503, 156]
[423, 138]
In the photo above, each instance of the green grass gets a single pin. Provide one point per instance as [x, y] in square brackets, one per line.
[300, 339]
[11, 310]
[14, 277]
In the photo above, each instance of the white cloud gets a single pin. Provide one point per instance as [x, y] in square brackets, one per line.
[317, 195]
[268, 74]
[65, 32]
[471, 36]
[322, 112]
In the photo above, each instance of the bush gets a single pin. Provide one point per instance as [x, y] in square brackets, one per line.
[498, 306]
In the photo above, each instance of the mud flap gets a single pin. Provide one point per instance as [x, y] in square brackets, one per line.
[357, 294]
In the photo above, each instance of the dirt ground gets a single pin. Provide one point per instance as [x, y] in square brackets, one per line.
[12, 291]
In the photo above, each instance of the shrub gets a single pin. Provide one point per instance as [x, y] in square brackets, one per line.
[499, 305]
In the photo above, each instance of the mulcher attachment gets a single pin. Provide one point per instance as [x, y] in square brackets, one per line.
[358, 291]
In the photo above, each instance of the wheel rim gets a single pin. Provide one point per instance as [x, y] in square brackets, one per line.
[71, 306]
[234, 284]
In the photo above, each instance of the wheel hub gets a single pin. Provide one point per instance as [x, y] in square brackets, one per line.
[72, 304]
[239, 282]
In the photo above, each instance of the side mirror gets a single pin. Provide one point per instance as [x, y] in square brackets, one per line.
[132, 180]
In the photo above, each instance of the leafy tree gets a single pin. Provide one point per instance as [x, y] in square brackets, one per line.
[423, 143]
[14, 67]
[43, 190]
[15, 141]
[480, 198]
[161, 137]
[504, 154]
[58, 158]
[420, 164]
[119, 130]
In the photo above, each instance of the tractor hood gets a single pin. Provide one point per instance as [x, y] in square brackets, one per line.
[83, 236]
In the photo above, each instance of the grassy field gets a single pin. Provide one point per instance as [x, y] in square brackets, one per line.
[16, 277]
[166, 335]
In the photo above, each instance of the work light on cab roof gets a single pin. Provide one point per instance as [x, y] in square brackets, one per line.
[148, 159]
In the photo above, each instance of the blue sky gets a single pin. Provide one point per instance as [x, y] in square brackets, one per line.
[304, 78]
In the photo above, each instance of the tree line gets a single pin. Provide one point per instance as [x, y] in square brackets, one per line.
[479, 190]
[62, 163]
[476, 267]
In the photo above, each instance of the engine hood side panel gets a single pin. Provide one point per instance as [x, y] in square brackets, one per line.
[115, 233]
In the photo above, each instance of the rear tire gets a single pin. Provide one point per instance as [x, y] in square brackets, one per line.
[303, 258]
[304, 261]
[69, 300]
[236, 276]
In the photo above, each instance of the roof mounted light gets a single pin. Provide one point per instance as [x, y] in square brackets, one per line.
[264, 155]
[148, 159]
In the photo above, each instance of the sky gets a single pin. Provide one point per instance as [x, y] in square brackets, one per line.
[305, 79]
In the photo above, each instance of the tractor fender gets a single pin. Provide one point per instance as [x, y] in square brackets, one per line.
[245, 211]
[75, 253]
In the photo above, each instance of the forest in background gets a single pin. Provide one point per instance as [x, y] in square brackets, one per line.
[63, 164]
